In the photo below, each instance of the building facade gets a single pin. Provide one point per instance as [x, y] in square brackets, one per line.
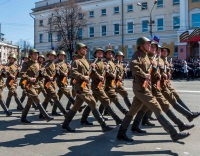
[5, 50]
[121, 22]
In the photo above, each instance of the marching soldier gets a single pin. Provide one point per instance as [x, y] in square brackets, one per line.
[25, 59]
[50, 72]
[110, 84]
[139, 67]
[31, 72]
[62, 79]
[168, 91]
[80, 75]
[2, 85]
[119, 78]
[97, 86]
[11, 81]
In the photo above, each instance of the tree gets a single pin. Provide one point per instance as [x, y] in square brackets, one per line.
[66, 22]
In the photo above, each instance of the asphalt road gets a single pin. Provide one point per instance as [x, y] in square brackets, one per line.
[40, 138]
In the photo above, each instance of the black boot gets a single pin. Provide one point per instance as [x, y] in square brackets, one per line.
[85, 115]
[54, 111]
[68, 119]
[145, 120]
[24, 114]
[121, 108]
[127, 102]
[8, 100]
[170, 129]
[68, 105]
[19, 104]
[59, 105]
[44, 105]
[3, 105]
[113, 115]
[101, 109]
[98, 117]
[182, 126]
[123, 129]
[189, 115]
[44, 113]
[34, 106]
[22, 99]
[136, 123]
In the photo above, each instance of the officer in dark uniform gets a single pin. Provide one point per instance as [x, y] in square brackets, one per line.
[79, 74]
[139, 67]
[11, 81]
[31, 72]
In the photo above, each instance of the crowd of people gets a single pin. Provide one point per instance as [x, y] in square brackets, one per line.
[101, 80]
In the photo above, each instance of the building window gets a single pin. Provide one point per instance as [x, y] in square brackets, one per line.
[59, 37]
[130, 53]
[176, 22]
[41, 23]
[160, 3]
[145, 26]
[49, 20]
[130, 27]
[80, 33]
[129, 8]
[80, 16]
[116, 29]
[144, 6]
[160, 26]
[91, 14]
[103, 12]
[195, 0]
[103, 30]
[175, 2]
[195, 20]
[91, 31]
[41, 38]
[116, 10]
[91, 54]
[49, 37]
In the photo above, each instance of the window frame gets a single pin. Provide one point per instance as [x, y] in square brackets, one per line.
[130, 9]
[103, 14]
[115, 12]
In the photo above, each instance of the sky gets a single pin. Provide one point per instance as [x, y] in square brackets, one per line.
[15, 20]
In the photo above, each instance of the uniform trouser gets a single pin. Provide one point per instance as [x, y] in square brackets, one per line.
[12, 91]
[62, 90]
[144, 98]
[1, 90]
[84, 97]
[121, 90]
[32, 94]
[24, 94]
[51, 94]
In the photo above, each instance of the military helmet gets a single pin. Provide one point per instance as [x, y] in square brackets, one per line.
[159, 46]
[154, 43]
[52, 52]
[119, 53]
[25, 56]
[141, 41]
[98, 49]
[110, 50]
[79, 46]
[61, 52]
[42, 56]
[168, 50]
[12, 55]
[31, 51]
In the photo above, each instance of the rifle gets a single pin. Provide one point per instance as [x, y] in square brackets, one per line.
[36, 76]
[116, 70]
[103, 74]
[64, 80]
[124, 71]
[84, 83]
[165, 70]
[15, 75]
[149, 70]
[158, 82]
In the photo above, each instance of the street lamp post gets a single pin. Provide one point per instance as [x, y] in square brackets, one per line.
[151, 22]
[34, 27]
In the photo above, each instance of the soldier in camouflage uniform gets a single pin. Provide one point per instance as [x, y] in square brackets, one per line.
[11, 81]
[79, 74]
[139, 67]
[2, 85]
[50, 72]
[31, 72]
[97, 86]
